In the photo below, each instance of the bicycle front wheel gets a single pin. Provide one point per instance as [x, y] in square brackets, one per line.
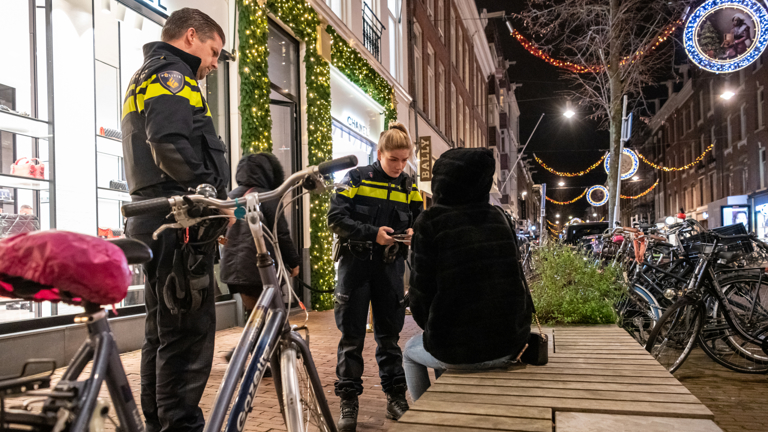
[749, 304]
[306, 408]
[674, 335]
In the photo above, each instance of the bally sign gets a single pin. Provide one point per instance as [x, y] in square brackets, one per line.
[425, 158]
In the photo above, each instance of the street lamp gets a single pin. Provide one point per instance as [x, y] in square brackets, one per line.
[594, 214]
[562, 183]
[727, 94]
[557, 215]
[568, 113]
[635, 178]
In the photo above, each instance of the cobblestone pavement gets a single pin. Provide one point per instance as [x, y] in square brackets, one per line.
[736, 399]
[324, 338]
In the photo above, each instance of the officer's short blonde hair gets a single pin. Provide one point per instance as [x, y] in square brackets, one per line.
[396, 138]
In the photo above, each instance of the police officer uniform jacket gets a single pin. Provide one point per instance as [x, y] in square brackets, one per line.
[169, 141]
[373, 200]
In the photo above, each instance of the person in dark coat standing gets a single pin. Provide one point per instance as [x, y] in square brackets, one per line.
[466, 288]
[259, 172]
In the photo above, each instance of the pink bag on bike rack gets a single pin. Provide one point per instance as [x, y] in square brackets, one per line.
[75, 267]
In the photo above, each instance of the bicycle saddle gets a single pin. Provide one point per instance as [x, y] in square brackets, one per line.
[135, 251]
[65, 266]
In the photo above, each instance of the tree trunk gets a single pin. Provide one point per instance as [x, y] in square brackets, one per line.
[614, 112]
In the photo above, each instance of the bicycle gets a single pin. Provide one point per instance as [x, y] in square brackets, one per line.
[267, 336]
[735, 314]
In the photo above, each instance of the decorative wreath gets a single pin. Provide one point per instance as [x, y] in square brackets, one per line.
[597, 203]
[635, 164]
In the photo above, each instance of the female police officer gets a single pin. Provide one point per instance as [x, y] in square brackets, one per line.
[373, 219]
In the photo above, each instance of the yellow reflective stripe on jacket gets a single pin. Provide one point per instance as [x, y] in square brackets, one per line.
[398, 196]
[372, 192]
[349, 193]
[154, 89]
[415, 196]
[376, 183]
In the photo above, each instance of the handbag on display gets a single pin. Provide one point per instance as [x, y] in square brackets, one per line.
[28, 167]
[118, 185]
[5, 195]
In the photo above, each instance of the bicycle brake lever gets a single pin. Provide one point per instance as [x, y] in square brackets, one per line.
[157, 232]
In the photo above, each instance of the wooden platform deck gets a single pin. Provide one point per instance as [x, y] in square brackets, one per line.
[598, 379]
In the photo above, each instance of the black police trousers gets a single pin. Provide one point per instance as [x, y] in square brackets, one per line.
[177, 354]
[362, 282]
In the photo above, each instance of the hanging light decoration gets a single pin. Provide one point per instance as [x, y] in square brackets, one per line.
[682, 168]
[566, 174]
[567, 202]
[634, 163]
[594, 189]
[642, 194]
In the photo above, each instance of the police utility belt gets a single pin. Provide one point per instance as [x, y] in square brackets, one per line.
[363, 250]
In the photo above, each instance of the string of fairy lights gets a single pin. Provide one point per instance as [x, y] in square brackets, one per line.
[682, 168]
[585, 192]
[642, 194]
[566, 174]
[303, 21]
[532, 48]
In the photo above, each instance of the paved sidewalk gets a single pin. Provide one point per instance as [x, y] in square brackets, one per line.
[324, 338]
[736, 399]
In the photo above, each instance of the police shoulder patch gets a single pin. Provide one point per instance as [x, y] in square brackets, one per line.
[171, 80]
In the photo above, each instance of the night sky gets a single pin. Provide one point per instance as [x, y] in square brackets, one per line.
[567, 145]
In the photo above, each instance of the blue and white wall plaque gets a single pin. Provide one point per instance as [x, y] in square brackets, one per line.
[723, 36]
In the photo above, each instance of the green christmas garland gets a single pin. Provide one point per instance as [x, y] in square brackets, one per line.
[355, 67]
[257, 123]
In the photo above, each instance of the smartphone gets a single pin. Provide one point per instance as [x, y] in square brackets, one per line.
[402, 237]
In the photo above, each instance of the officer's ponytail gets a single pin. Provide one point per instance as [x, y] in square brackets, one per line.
[396, 138]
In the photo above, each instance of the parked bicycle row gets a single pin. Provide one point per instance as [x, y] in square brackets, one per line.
[688, 286]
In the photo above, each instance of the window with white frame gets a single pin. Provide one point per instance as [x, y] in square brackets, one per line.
[712, 187]
[744, 179]
[417, 67]
[465, 74]
[440, 20]
[712, 137]
[692, 118]
[758, 63]
[431, 82]
[441, 98]
[460, 47]
[467, 122]
[693, 152]
[730, 135]
[702, 144]
[701, 105]
[760, 98]
[454, 137]
[743, 128]
[460, 125]
[431, 8]
[761, 167]
[452, 36]
[742, 77]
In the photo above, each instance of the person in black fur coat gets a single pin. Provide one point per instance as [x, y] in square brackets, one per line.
[466, 289]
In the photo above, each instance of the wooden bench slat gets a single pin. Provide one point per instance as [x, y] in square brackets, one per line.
[590, 422]
[477, 421]
[669, 380]
[617, 356]
[662, 373]
[607, 366]
[583, 405]
[573, 385]
[483, 409]
[641, 361]
[409, 427]
[598, 351]
[602, 395]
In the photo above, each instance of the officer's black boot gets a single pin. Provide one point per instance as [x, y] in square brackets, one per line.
[349, 407]
[396, 403]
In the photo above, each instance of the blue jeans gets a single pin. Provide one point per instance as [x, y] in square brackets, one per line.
[416, 360]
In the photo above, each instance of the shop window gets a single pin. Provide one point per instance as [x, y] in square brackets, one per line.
[417, 67]
[431, 83]
[760, 95]
[762, 168]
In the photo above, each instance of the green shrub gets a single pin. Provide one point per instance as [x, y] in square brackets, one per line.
[568, 289]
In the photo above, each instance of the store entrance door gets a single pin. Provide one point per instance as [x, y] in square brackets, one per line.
[287, 149]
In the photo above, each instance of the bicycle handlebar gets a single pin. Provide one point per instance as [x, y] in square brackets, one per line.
[165, 205]
[150, 206]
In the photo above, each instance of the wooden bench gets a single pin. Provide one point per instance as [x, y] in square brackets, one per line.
[598, 379]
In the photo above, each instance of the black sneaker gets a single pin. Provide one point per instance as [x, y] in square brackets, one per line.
[397, 405]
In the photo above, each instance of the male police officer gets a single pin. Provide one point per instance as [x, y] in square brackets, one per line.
[170, 146]
[381, 202]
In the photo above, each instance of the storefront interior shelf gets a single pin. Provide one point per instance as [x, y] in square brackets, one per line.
[23, 125]
[110, 146]
[23, 182]
[114, 195]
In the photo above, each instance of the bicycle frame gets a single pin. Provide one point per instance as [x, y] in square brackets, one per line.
[266, 330]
